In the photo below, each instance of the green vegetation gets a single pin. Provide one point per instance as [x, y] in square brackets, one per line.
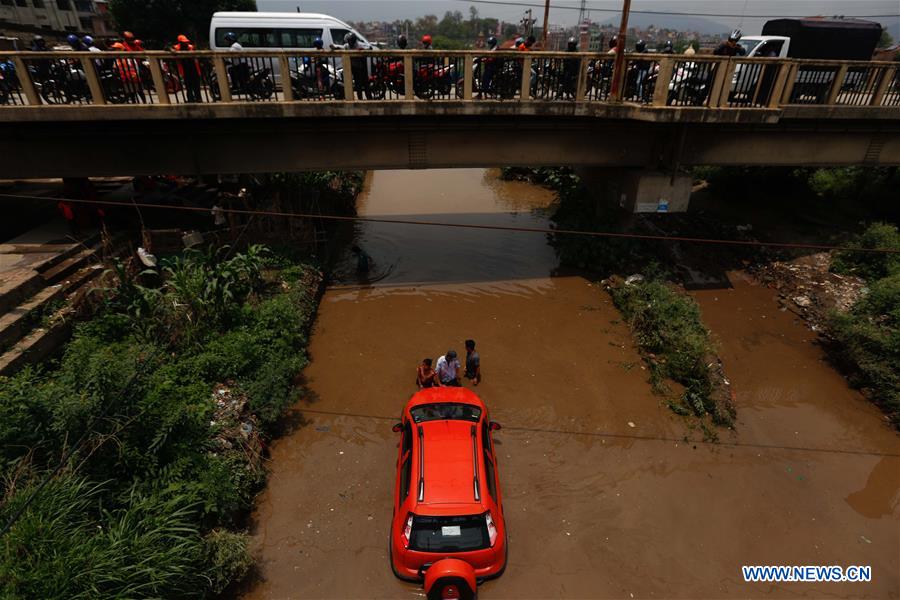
[166, 399]
[164, 21]
[453, 31]
[858, 190]
[676, 346]
[868, 335]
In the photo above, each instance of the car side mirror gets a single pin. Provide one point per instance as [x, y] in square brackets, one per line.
[495, 426]
[397, 428]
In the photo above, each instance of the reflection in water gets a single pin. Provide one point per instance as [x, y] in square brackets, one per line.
[603, 494]
[881, 496]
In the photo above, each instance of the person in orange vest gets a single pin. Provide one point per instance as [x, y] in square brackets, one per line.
[129, 42]
[189, 69]
[127, 71]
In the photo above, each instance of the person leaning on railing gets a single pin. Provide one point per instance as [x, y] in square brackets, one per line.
[188, 69]
[357, 65]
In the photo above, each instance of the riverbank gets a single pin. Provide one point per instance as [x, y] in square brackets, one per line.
[150, 431]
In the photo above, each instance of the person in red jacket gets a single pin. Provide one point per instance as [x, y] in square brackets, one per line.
[129, 41]
[189, 69]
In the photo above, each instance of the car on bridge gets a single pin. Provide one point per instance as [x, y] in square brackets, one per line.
[448, 529]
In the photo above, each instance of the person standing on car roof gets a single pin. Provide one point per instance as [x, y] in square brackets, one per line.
[730, 47]
[448, 369]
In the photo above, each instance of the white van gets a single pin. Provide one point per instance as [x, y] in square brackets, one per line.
[279, 30]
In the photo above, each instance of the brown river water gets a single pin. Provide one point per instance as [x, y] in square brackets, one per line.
[603, 495]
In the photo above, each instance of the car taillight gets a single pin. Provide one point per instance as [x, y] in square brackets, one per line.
[492, 529]
[407, 529]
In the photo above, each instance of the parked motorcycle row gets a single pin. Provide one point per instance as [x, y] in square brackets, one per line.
[128, 80]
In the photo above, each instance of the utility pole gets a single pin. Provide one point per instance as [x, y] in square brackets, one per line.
[546, 24]
[619, 69]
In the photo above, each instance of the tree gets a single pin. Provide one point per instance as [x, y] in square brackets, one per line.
[886, 40]
[159, 22]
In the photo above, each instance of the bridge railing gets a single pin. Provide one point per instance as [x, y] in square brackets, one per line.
[657, 80]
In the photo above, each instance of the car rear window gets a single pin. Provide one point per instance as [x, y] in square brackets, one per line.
[445, 410]
[449, 534]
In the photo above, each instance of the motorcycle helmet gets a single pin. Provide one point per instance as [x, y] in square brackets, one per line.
[127, 36]
[735, 35]
[640, 46]
[492, 42]
[318, 44]
[117, 46]
[87, 41]
[519, 42]
[572, 45]
[350, 39]
[230, 37]
[183, 39]
[401, 42]
[426, 40]
[613, 41]
[668, 47]
[72, 39]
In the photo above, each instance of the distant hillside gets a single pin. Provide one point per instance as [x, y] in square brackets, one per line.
[699, 24]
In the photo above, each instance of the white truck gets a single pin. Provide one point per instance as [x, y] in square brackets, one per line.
[810, 38]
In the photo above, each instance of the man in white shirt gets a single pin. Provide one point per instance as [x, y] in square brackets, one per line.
[447, 369]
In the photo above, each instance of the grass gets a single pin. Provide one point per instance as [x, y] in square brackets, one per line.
[152, 503]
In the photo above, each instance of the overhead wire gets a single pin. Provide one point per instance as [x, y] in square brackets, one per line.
[421, 223]
[663, 12]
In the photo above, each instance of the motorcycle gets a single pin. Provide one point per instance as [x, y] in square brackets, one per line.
[257, 85]
[317, 79]
[387, 75]
[433, 79]
[689, 86]
[62, 82]
[504, 82]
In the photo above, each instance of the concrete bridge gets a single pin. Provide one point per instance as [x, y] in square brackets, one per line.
[78, 114]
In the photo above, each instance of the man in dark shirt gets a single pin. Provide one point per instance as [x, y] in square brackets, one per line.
[473, 363]
[730, 47]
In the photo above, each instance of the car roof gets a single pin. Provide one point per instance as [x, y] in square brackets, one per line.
[449, 470]
[433, 395]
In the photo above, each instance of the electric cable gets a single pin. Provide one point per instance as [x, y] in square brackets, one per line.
[415, 222]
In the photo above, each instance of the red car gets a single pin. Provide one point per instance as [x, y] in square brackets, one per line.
[448, 529]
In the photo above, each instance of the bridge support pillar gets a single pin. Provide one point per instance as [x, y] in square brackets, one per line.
[637, 190]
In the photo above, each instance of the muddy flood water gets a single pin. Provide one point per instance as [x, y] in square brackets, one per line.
[603, 496]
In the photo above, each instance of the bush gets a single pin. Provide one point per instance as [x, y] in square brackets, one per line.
[868, 341]
[871, 265]
[136, 385]
[667, 328]
[227, 558]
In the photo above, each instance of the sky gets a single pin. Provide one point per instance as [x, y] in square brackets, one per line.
[389, 10]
